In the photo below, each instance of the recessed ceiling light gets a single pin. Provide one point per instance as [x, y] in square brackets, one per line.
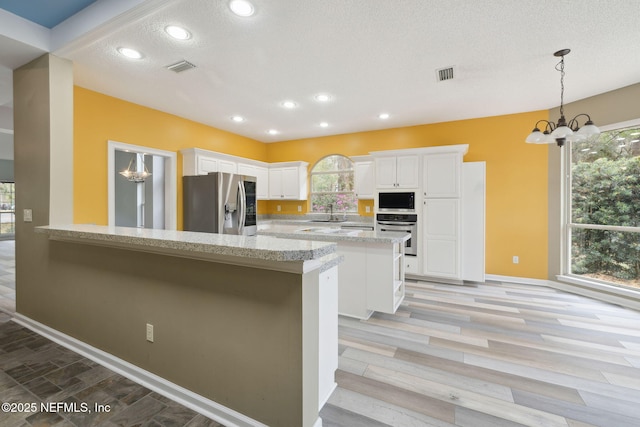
[272, 132]
[129, 53]
[322, 97]
[237, 119]
[383, 116]
[241, 7]
[178, 32]
[289, 104]
[324, 124]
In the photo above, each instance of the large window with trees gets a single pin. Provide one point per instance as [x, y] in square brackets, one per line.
[603, 227]
[332, 185]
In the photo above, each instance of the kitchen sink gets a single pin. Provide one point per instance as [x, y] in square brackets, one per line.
[328, 220]
[325, 230]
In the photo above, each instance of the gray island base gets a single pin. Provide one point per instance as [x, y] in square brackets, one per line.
[244, 327]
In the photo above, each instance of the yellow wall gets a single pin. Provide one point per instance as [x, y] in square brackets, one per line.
[99, 118]
[516, 218]
[516, 172]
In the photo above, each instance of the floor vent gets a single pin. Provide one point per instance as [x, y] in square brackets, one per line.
[444, 74]
[181, 66]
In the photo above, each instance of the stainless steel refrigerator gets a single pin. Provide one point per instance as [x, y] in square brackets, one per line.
[221, 203]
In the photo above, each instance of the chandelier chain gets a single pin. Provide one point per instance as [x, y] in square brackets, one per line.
[560, 67]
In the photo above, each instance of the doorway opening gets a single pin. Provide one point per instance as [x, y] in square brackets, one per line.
[146, 203]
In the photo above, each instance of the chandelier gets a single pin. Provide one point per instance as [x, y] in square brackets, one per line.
[562, 131]
[132, 173]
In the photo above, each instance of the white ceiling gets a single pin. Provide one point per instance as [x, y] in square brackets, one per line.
[372, 56]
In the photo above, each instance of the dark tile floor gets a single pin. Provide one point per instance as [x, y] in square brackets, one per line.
[35, 370]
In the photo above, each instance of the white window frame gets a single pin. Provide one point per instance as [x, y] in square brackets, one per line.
[312, 173]
[567, 225]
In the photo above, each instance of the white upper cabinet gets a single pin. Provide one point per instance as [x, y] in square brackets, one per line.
[262, 178]
[397, 172]
[441, 175]
[288, 181]
[202, 162]
[227, 166]
[205, 165]
[363, 178]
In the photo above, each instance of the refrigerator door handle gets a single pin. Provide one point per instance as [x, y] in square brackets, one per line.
[242, 208]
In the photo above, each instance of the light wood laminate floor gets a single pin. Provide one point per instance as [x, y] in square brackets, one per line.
[494, 354]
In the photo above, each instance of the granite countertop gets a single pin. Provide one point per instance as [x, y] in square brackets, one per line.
[317, 222]
[174, 242]
[328, 233]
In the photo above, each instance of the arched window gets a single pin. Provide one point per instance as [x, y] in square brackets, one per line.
[332, 185]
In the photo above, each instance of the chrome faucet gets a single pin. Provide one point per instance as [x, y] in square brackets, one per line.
[331, 212]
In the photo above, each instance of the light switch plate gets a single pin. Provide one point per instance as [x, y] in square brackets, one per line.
[27, 215]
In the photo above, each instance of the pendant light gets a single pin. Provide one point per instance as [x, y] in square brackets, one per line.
[562, 131]
[133, 172]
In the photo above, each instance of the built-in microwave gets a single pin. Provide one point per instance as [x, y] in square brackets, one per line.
[397, 202]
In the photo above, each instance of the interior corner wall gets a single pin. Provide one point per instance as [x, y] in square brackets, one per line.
[99, 118]
[608, 108]
[40, 99]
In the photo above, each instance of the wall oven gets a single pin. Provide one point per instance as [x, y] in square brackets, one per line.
[404, 223]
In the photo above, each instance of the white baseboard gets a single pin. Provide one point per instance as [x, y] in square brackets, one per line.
[602, 292]
[191, 400]
[520, 280]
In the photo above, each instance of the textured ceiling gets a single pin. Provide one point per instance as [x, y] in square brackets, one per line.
[372, 56]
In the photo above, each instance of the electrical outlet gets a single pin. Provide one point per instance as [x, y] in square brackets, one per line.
[299, 208]
[367, 209]
[149, 332]
[27, 215]
[516, 259]
[278, 208]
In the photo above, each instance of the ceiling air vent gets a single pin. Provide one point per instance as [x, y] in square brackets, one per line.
[181, 66]
[444, 74]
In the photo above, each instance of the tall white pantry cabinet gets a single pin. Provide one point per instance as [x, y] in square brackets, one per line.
[450, 203]
[453, 217]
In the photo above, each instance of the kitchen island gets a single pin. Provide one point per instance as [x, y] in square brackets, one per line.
[371, 278]
[243, 329]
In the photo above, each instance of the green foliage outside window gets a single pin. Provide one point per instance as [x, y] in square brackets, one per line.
[606, 191]
[332, 184]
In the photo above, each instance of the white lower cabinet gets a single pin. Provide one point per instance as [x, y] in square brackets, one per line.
[371, 278]
[327, 334]
[411, 265]
[441, 238]
[352, 289]
[385, 277]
